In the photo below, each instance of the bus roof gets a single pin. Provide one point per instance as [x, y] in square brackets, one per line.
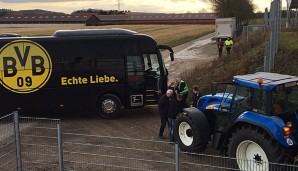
[92, 32]
[270, 80]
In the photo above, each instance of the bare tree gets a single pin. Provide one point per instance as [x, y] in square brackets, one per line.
[243, 10]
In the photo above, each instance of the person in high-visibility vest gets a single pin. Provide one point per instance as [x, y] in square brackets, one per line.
[182, 89]
[228, 44]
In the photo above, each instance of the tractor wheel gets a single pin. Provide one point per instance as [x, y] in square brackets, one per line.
[254, 149]
[109, 106]
[187, 134]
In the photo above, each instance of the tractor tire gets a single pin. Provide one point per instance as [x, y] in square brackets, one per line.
[187, 134]
[109, 106]
[253, 149]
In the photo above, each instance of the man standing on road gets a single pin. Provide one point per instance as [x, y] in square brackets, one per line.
[228, 44]
[174, 110]
[220, 45]
[163, 107]
[182, 89]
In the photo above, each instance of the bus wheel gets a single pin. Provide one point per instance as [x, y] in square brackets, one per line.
[109, 106]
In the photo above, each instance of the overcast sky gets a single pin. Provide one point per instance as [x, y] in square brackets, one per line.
[165, 6]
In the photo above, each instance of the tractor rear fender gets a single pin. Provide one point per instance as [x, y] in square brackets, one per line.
[200, 121]
[273, 125]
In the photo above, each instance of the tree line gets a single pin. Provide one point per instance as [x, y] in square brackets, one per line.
[100, 11]
[243, 10]
[3, 12]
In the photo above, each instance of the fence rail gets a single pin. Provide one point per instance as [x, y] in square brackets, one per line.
[43, 146]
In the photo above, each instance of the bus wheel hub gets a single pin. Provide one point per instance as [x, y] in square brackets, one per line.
[109, 106]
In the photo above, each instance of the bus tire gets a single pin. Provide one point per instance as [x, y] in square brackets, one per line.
[109, 106]
[253, 149]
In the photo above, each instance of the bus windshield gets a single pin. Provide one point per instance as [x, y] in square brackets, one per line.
[285, 100]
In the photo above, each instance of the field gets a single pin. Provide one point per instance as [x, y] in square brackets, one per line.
[171, 35]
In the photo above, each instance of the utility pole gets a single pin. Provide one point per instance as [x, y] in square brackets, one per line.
[118, 5]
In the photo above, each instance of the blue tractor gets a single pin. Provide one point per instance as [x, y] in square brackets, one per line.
[255, 119]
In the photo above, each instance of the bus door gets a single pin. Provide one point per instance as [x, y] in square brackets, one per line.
[152, 78]
[135, 81]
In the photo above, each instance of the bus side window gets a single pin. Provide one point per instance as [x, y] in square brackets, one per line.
[83, 63]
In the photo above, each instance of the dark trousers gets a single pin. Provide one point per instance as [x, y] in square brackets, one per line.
[163, 121]
[183, 101]
[228, 50]
[219, 52]
[171, 126]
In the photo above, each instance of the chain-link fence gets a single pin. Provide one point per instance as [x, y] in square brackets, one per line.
[39, 143]
[36, 144]
[250, 31]
[7, 143]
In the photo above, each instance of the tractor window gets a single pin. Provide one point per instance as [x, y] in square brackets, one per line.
[284, 100]
[227, 97]
[258, 101]
[242, 99]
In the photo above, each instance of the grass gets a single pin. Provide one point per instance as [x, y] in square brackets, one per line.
[286, 61]
[171, 35]
[289, 40]
[246, 58]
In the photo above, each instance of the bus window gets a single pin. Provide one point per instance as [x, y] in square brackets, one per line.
[151, 63]
[135, 74]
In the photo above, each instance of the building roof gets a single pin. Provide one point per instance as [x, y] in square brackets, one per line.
[82, 17]
[45, 17]
[157, 16]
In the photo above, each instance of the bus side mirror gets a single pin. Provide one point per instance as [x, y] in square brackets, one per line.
[167, 48]
[172, 56]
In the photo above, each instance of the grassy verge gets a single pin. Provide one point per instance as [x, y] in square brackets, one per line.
[171, 35]
[246, 58]
[286, 61]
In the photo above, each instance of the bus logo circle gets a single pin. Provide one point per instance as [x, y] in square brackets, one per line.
[25, 66]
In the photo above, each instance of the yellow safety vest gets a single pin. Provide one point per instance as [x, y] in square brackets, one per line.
[228, 43]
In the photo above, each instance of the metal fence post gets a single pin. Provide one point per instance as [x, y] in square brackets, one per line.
[17, 140]
[60, 148]
[177, 156]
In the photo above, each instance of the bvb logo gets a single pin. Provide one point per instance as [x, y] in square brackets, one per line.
[25, 66]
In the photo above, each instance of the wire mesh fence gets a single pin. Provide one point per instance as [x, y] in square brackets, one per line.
[91, 152]
[7, 143]
[40, 147]
[39, 143]
[250, 30]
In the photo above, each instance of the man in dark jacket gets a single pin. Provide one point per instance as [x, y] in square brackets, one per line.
[163, 107]
[174, 109]
[196, 95]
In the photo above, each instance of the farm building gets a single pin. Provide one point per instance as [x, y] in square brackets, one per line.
[46, 20]
[87, 19]
[159, 18]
